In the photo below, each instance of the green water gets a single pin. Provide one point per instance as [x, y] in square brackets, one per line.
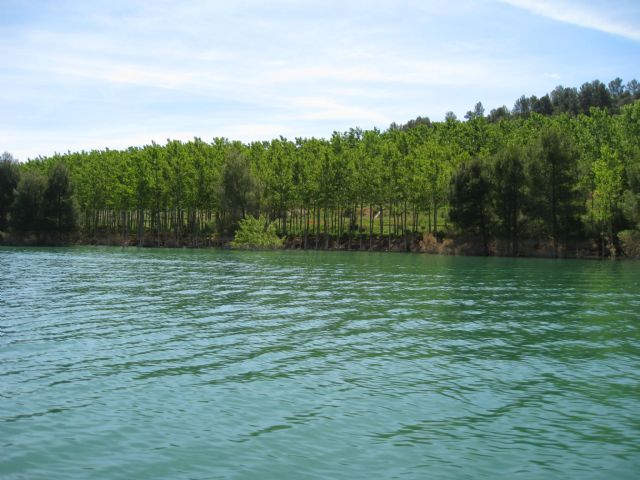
[147, 364]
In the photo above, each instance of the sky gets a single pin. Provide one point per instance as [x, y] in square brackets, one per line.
[81, 75]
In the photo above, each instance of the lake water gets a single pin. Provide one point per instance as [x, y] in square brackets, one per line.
[146, 364]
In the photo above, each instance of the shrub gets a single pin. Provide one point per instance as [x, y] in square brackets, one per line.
[630, 243]
[256, 233]
[429, 243]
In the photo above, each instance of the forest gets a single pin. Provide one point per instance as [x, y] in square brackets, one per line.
[557, 175]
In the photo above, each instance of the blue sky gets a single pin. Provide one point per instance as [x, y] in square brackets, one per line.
[93, 74]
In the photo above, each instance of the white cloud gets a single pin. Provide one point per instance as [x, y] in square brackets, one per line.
[582, 15]
[249, 69]
[248, 132]
[327, 108]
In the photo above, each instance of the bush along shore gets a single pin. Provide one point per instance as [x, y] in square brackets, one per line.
[554, 176]
[628, 246]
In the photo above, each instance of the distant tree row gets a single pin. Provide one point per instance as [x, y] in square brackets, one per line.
[558, 178]
[561, 100]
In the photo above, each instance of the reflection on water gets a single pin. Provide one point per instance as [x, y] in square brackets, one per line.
[206, 364]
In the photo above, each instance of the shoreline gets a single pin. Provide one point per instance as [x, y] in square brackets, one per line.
[425, 244]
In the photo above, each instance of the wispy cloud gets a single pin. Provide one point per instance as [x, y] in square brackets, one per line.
[327, 108]
[113, 72]
[583, 15]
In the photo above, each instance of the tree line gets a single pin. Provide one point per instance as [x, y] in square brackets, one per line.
[560, 169]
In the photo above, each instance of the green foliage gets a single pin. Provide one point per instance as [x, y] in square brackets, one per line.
[256, 233]
[59, 213]
[607, 171]
[9, 177]
[630, 206]
[630, 243]
[508, 192]
[27, 208]
[237, 189]
[555, 200]
[44, 204]
[554, 168]
[469, 199]
[594, 95]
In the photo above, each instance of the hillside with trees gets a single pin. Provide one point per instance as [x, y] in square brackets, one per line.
[557, 175]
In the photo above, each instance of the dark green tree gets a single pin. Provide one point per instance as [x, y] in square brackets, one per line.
[59, 214]
[630, 202]
[554, 197]
[543, 105]
[633, 88]
[238, 189]
[469, 200]
[508, 183]
[616, 87]
[497, 114]
[565, 100]
[477, 112]
[9, 177]
[450, 117]
[594, 94]
[27, 208]
[522, 107]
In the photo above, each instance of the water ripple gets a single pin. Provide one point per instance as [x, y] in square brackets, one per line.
[127, 363]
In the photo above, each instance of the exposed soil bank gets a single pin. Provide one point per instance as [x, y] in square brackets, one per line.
[417, 244]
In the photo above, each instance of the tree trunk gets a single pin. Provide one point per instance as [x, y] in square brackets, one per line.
[404, 227]
[140, 227]
[391, 218]
[370, 226]
[306, 225]
[326, 232]
[317, 213]
[381, 213]
[435, 220]
[361, 226]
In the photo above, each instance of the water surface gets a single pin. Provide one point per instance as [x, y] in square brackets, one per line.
[127, 363]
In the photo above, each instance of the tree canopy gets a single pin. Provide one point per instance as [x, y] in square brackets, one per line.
[559, 168]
